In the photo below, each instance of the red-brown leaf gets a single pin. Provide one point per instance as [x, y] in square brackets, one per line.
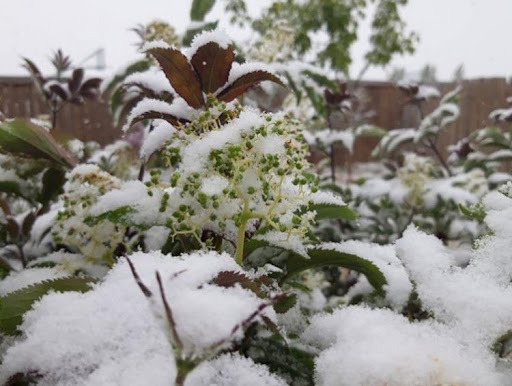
[92, 83]
[59, 90]
[240, 85]
[158, 115]
[180, 74]
[213, 63]
[76, 80]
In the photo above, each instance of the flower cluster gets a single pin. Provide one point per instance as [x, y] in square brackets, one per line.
[96, 241]
[414, 174]
[248, 174]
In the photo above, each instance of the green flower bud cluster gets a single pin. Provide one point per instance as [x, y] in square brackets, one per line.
[254, 176]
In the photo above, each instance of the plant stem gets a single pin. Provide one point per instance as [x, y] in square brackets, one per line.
[246, 215]
[434, 148]
[431, 144]
[142, 165]
[239, 256]
[22, 256]
[54, 116]
[333, 164]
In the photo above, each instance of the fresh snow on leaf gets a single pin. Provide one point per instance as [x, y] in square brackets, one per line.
[218, 36]
[162, 132]
[132, 331]
[360, 346]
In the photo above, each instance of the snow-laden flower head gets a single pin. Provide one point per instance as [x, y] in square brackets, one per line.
[96, 242]
[414, 173]
[247, 173]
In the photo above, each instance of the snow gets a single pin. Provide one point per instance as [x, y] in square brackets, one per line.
[196, 154]
[155, 140]
[26, 277]
[238, 70]
[427, 92]
[152, 44]
[233, 369]
[360, 346]
[398, 287]
[329, 198]
[135, 195]
[478, 307]
[218, 36]
[501, 114]
[178, 108]
[154, 79]
[327, 137]
[289, 241]
[214, 185]
[65, 340]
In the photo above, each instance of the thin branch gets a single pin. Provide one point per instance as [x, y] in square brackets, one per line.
[145, 290]
[168, 313]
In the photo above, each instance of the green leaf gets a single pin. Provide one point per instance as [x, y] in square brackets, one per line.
[200, 8]
[321, 80]
[117, 216]
[11, 188]
[323, 258]
[474, 212]
[15, 304]
[293, 364]
[190, 33]
[53, 180]
[285, 304]
[330, 211]
[22, 137]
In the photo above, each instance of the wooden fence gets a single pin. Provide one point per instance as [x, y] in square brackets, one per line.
[91, 121]
[19, 98]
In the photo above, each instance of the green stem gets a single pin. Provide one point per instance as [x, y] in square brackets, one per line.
[239, 256]
[246, 216]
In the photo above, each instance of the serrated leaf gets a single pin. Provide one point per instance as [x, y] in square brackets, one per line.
[323, 258]
[293, 364]
[157, 115]
[180, 74]
[212, 63]
[200, 8]
[228, 278]
[285, 304]
[22, 137]
[15, 304]
[475, 212]
[335, 212]
[240, 85]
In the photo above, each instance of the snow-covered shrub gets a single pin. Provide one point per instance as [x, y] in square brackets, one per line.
[230, 179]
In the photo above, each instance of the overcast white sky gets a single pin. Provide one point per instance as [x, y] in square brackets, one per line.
[472, 32]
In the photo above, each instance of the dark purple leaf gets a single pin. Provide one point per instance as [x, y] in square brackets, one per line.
[250, 79]
[213, 63]
[180, 74]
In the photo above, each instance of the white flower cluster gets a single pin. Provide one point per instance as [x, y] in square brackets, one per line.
[96, 241]
[249, 173]
[414, 174]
